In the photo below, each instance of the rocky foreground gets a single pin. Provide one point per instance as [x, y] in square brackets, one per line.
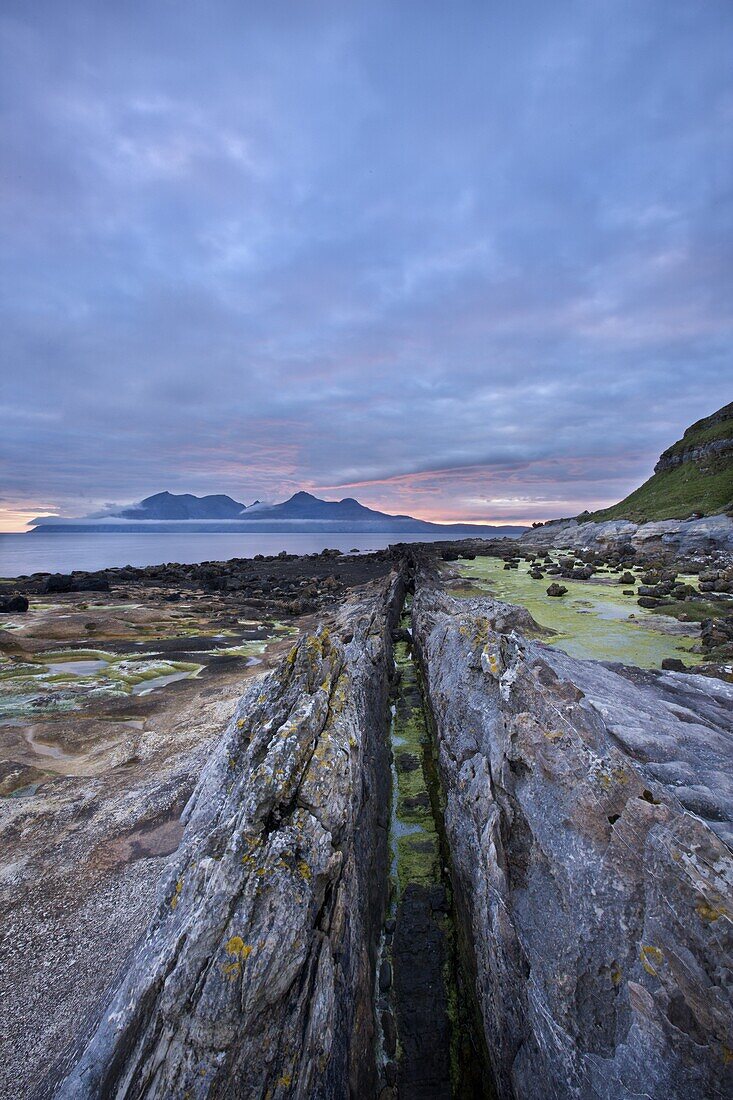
[589, 820]
[428, 855]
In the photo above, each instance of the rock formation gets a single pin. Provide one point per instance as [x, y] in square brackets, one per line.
[701, 443]
[586, 813]
[256, 978]
[568, 839]
[682, 537]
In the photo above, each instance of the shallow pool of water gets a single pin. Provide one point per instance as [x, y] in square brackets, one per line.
[594, 620]
[147, 686]
[76, 668]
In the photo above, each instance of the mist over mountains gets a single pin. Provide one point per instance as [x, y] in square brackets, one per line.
[302, 512]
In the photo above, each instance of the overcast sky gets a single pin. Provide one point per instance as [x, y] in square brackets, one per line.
[463, 260]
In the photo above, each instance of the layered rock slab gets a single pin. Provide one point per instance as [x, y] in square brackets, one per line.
[583, 805]
[256, 978]
[677, 536]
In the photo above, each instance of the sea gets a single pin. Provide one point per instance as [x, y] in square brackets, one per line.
[36, 552]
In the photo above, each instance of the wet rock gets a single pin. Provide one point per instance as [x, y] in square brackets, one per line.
[422, 1010]
[556, 589]
[673, 664]
[385, 976]
[589, 812]
[75, 582]
[389, 1030]
[14, 603]
[716, 632]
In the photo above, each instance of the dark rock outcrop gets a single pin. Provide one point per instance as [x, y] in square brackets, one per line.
[14, 603]
[693, 448]
[75, 582]
[588, 811]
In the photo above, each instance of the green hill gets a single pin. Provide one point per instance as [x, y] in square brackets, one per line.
[694, 475]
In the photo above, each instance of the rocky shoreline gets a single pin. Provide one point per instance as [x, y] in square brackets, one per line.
[559, 847]
[701, 535]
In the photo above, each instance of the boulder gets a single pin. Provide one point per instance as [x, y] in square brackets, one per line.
[14, 603]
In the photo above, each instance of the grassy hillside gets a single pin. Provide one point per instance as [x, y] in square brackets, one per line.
[691, 476]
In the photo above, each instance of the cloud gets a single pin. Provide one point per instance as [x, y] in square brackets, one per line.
[469, 260]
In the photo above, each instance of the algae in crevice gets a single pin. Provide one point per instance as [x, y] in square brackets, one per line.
[421, 860]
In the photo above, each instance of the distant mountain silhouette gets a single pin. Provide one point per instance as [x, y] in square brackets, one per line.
[183, 506]
[302, 512]
[305, 506]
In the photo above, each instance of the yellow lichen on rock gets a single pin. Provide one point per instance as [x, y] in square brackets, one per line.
[304, 871]
[709, 913]
[176, 894]
[651, 958]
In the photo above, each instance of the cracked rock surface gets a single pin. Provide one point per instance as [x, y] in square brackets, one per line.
[256, 977]
[587, 812]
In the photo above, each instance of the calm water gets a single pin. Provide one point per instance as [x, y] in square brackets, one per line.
[37, 553]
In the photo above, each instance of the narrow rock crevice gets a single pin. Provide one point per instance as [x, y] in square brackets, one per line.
[430, 1049]
[434, 859]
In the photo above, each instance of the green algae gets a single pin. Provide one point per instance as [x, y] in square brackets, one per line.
[421, 857]
[62, 680]
[40, 684]
[262, 636]
[594, 620]
[693, 610]
[415, 841]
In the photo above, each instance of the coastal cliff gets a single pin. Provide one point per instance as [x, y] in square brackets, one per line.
[693, 477]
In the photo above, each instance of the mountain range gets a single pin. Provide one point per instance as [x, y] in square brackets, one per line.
[302, 512]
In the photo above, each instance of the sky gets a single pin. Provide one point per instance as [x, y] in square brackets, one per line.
[466, 260]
